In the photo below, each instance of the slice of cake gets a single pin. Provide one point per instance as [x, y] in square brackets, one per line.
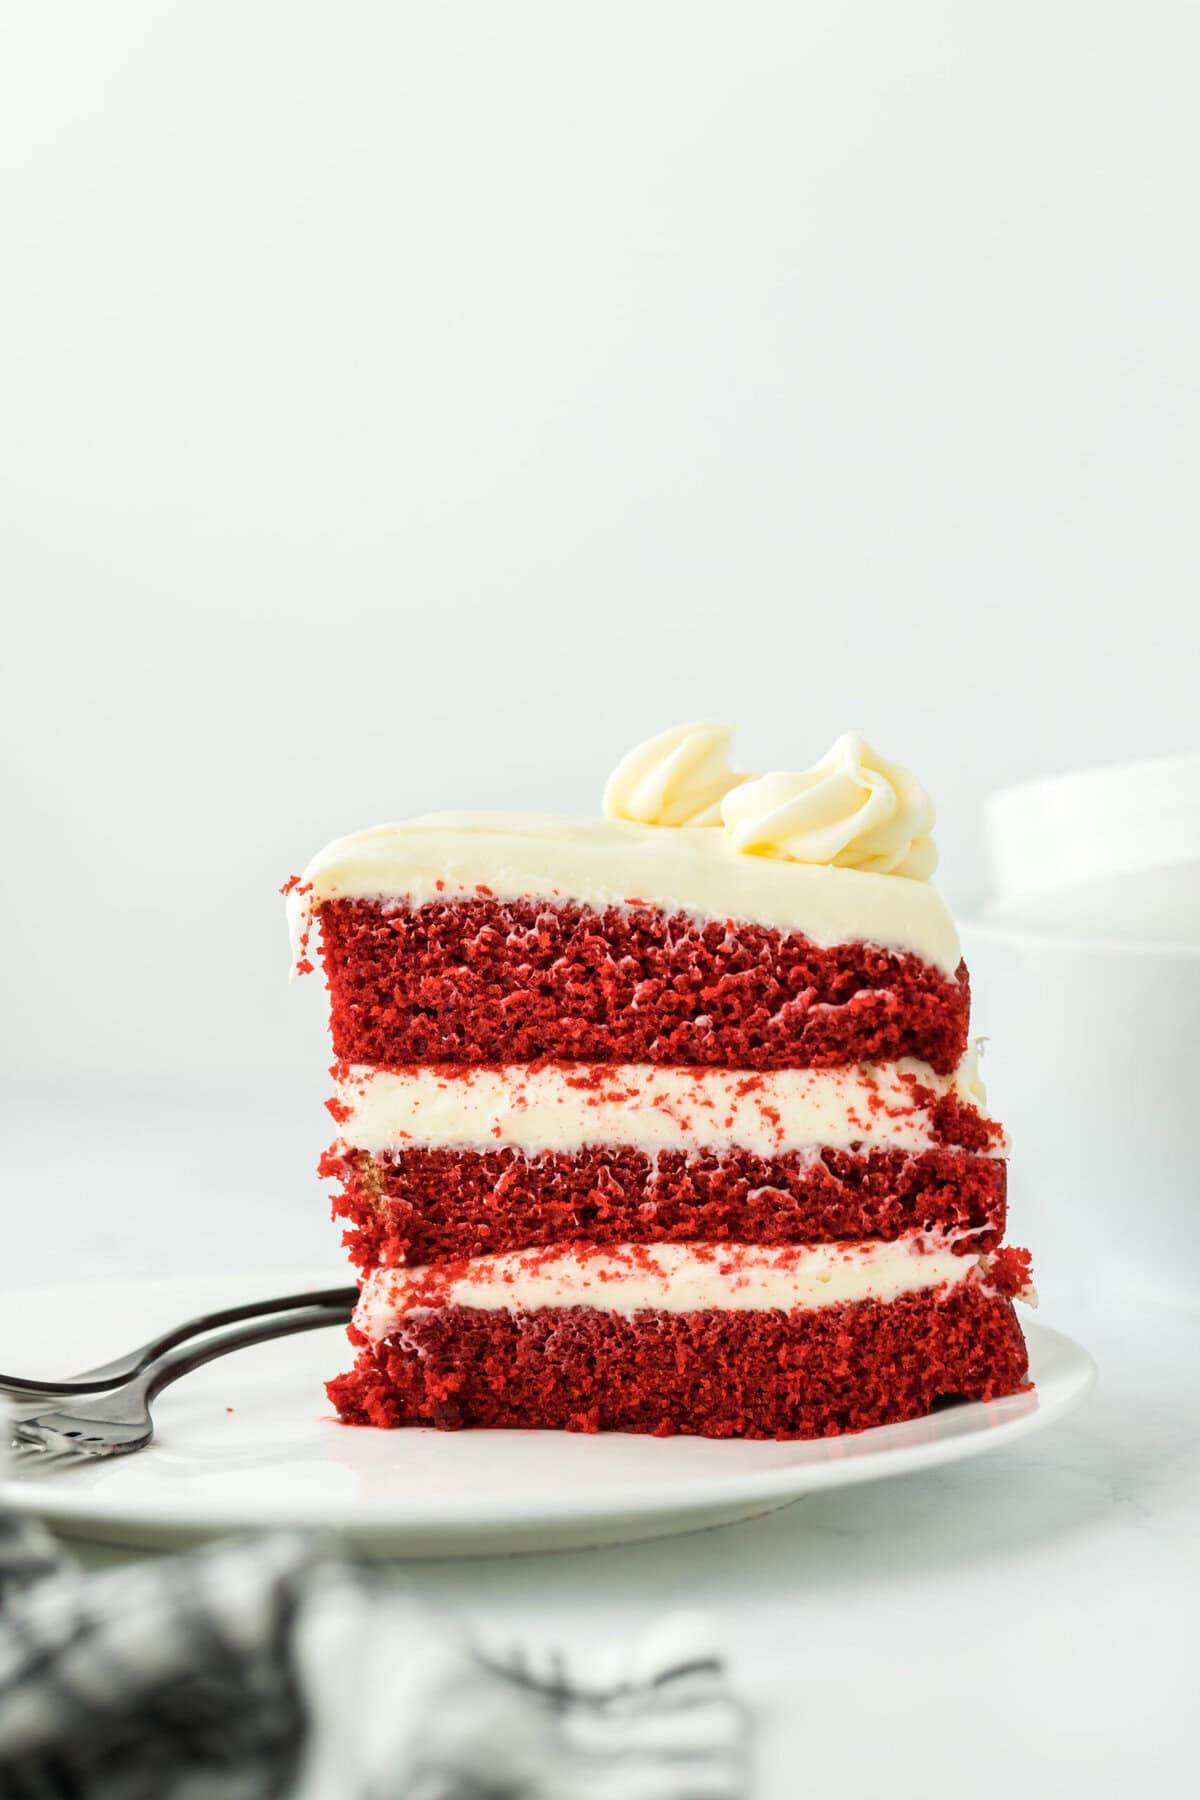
[665, 1121]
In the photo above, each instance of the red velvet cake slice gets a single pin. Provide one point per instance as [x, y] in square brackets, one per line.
[665, 1121]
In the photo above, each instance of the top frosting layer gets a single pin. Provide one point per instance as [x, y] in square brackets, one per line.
[838, 853]
[617, 862]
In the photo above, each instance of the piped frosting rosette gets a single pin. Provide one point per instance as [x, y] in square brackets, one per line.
[851, 810]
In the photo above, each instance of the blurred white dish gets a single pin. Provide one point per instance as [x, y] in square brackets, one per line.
[1090, 1063]
[1156, 908]
[249, 1443]
[1106, 851]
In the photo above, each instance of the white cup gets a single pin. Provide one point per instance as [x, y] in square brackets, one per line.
[1091, 1064]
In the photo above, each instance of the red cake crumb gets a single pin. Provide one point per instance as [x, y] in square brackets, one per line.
[485, 981]
[293, 884]
[712, 1374]
[1010, 1271]
[953, 1121]
[427, 1205]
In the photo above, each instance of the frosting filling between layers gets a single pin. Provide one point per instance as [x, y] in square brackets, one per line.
[616, 862]
[675, 1278]
[565, 1106]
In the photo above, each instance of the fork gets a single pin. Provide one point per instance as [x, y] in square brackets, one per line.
[124, 1368]
[118, 1421]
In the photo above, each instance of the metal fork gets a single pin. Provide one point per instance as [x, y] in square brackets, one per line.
[119, 1421]
[124, 1368]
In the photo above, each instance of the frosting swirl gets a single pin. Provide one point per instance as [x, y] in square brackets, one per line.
[852, 810]
[679, 777]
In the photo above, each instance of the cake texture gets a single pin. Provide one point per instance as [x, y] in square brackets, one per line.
[666, 1121]
[480, 980]
[708, 1373]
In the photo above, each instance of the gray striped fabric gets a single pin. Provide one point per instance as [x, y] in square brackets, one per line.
[273, 1667]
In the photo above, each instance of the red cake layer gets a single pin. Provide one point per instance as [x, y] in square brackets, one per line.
[485, 981]
[430, 1205]
[711, 1374]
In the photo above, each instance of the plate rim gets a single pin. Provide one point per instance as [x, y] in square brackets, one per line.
[690, 1496]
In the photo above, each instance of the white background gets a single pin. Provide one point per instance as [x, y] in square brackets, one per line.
[412, 406]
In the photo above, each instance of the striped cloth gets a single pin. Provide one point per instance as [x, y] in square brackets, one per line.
[273, 1667]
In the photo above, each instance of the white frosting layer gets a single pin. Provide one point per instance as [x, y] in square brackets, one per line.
[677, 1278]
[563, 1106]
[616, 862]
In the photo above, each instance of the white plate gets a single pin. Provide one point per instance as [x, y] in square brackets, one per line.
[249, 1442]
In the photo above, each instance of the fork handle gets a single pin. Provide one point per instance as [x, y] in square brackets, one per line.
[181, 1361]
[124, 1368]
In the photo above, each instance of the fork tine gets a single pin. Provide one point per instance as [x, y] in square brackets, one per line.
[25, 1452]
[118, 1422]
[83, 1437]
[25, 1443]
[37, 1443]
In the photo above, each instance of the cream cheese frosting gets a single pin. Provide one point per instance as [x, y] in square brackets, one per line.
[565, 1106]
[614, 862]
[837, 854]
[678, 778]
[852, 810]
[677, 1278]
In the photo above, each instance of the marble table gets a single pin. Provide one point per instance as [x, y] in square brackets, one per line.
[1024, 1621]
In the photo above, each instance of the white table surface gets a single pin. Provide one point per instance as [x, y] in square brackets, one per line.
[1026, 1620]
